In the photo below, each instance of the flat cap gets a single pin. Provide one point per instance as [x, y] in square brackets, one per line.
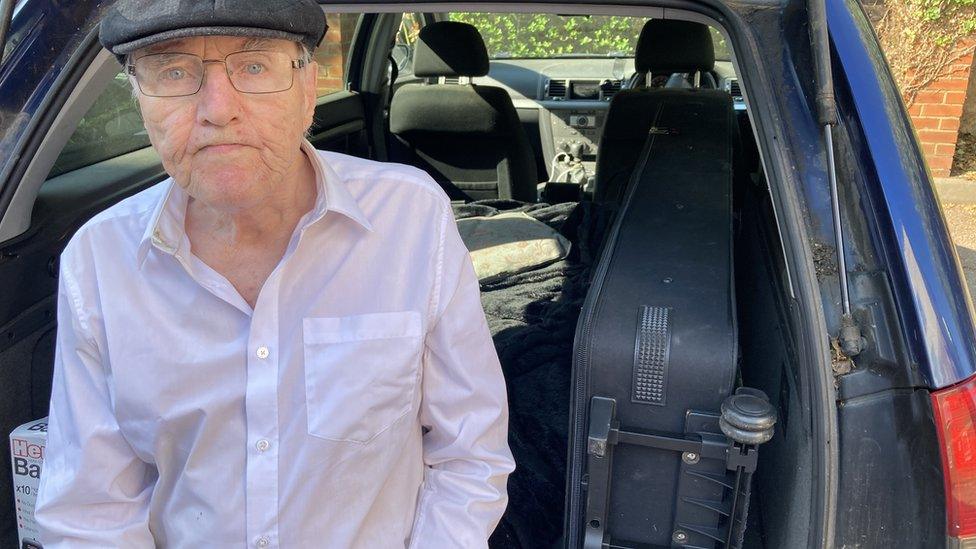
[133, 24]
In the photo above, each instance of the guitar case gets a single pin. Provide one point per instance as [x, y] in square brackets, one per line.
[656, 349]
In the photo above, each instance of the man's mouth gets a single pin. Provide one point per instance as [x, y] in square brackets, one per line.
[222, 147]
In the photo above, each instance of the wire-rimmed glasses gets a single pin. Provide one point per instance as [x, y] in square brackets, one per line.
[182, 74]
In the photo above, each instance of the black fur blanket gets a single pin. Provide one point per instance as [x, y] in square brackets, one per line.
[532, 317]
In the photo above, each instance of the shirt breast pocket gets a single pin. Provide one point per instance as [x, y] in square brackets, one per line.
[360, 373]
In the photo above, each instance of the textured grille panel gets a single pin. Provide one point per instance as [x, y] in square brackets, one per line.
[651, 354]
[614, 88]
[734, 89]
[557, 88]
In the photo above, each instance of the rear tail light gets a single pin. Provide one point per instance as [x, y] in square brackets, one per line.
[955, 417]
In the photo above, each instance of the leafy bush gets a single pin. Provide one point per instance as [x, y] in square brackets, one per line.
[923, 39]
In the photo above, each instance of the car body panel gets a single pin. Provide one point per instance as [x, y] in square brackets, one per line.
[939, 320]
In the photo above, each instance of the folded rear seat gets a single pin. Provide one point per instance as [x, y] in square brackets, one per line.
[656, 351]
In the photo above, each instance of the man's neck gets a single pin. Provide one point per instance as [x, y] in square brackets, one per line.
[263, 223]
[246, 245]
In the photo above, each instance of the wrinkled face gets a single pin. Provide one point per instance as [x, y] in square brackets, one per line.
[228, 149]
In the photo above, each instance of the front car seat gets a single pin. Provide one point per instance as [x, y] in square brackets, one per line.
[467, 137]
[665, 46]
[664, 50]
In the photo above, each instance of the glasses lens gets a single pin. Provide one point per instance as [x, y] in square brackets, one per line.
[260, 71]
[169, 74]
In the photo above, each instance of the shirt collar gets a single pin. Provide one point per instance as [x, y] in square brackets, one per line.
[333, 195]
[166, 228]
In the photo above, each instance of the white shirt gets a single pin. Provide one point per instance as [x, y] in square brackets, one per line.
[359, 404]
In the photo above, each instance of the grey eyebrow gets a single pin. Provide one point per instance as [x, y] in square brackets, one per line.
[166, 46]
[256, 43]
[160, 59]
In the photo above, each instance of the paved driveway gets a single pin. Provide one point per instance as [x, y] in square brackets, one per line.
[962, 225]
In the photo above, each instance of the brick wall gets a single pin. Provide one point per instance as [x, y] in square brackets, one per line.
[331, 54]
[936, 115]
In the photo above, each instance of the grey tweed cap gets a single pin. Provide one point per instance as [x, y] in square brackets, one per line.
[133, 24]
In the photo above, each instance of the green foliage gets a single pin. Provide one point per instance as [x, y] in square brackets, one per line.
[924, 40]
[551, 35]
[944, 21]
[548, 35]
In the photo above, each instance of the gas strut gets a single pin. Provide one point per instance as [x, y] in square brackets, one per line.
[849, 338]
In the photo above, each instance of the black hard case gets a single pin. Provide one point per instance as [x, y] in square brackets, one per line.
[657, 333]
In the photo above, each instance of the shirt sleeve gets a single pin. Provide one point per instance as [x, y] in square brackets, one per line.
[94, 491]
[465, 409]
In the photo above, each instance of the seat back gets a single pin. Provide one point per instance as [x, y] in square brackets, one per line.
[665, 46]
[468, 137]
[675, 50]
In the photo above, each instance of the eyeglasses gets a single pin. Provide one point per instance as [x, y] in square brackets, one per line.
[181, 74]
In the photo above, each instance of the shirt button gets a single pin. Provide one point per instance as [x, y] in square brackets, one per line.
[263, 352]
[262, 445]
[262, 542]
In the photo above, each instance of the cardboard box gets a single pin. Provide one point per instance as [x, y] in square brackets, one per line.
[26, 455]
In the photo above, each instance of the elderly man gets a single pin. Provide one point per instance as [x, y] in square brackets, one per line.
[277, 346]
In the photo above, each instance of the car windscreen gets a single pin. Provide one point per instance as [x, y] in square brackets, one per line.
[546, 35]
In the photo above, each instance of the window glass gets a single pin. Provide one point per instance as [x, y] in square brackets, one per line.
[545, 35]
[332, 55]
[541, 35]
[110, 128]
[721, 47]
[406, 38]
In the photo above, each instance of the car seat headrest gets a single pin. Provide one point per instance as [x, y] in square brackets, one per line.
[667, 45]
[450, 48]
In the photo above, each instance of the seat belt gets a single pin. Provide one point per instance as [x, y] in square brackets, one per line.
[394, 73]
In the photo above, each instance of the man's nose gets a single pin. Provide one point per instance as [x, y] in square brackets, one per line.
[218, 102]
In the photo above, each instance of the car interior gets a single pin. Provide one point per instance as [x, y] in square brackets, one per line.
[540, 155]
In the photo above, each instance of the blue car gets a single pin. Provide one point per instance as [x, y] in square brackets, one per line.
[753, 330]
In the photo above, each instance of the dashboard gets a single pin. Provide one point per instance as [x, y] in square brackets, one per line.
[568, 98]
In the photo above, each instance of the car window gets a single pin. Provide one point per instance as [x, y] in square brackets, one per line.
[110, 128]
[547, 35]
[406, 38]
[332, 55]
[721, 46]
[543, 35]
